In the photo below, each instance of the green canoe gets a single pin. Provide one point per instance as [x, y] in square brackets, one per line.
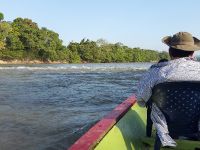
[124, 129]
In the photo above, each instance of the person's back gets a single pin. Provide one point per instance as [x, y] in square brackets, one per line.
[180, 102]
[182, 67]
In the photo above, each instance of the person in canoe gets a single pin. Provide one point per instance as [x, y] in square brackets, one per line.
[181, 67]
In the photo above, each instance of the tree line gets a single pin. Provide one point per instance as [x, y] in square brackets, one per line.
[22, 39]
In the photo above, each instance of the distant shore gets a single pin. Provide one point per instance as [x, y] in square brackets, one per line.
[18, 62]
[3, 62]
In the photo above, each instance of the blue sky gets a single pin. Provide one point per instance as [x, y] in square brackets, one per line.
[136, 23]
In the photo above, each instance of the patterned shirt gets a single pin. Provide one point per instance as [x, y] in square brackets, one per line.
[182, 69]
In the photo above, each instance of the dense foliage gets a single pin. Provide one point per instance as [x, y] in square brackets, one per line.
[23, 40]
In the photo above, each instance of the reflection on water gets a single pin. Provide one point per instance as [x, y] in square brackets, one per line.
[50, 106]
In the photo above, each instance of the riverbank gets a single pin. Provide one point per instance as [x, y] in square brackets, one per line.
[18, 62]
[3, 62]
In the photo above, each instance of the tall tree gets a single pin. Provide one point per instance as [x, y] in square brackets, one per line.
[28, 33]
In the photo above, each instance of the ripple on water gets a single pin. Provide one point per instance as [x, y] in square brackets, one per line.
[50, 106]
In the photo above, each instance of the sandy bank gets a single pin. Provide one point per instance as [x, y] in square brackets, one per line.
[31, 62]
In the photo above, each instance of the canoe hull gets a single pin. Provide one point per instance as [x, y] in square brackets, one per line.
[124, 129]
[126, 134]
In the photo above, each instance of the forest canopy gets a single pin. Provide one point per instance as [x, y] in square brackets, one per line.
[23, 40]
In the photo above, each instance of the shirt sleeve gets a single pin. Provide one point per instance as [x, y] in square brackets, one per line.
[144, 87]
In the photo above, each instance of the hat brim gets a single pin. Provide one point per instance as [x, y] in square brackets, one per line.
[195, 47]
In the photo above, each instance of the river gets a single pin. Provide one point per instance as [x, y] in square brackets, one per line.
[49, 106]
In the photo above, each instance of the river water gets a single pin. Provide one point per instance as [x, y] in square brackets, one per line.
[48, 107]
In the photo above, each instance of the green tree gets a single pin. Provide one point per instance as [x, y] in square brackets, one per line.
[13, 42]
[73, 47]
[163, 55]
[5, 28]
[106, 53]
[89, 51]
[23, 39]
[28, 33]
[128, 54]
[74, 57]
[1, 16]
[49, 45]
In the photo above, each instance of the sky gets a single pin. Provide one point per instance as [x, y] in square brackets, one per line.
[135, 23]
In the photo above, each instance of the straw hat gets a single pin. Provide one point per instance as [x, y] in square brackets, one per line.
[183, 41]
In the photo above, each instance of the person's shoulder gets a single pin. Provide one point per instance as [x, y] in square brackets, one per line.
[190, 60]
[183, 60]
[194, 63]
[159, 65]
[186, 62]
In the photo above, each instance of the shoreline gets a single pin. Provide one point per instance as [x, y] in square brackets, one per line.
[16, 62]
[20, 62]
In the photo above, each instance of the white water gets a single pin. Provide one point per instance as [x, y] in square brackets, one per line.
[79, 67]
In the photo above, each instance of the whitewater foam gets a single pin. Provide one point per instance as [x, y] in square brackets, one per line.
[78, 67]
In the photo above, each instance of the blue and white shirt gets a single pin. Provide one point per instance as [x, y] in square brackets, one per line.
[182, 69]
